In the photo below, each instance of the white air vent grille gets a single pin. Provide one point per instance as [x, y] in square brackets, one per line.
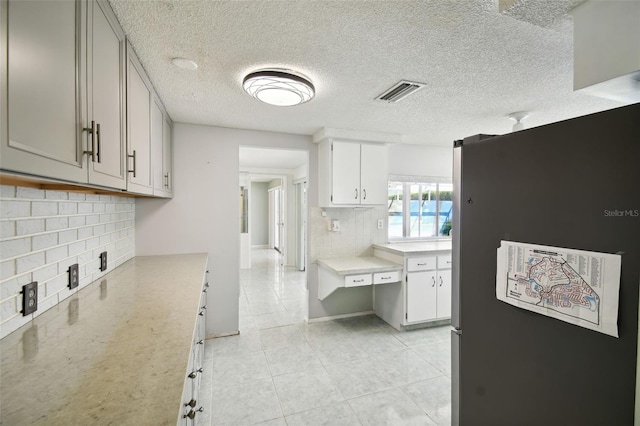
[400, 90]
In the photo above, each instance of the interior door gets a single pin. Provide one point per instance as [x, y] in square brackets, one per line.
[301, 225]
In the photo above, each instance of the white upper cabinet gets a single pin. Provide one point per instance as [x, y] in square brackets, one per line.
[352, 174]
[161, 158]
[139, 126]
[106, 96]
[64, 88]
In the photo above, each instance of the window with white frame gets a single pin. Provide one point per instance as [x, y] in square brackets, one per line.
[419, 208]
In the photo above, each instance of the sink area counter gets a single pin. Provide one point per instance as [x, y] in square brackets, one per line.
[415, 247]
[116, 352]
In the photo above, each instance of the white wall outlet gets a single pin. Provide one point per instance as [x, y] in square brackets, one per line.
[380, 224]
[335, 225]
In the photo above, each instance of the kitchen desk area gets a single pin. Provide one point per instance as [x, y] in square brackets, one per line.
[411, 281]
[123, 350]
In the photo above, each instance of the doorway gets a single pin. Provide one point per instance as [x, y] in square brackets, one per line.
[277, 221]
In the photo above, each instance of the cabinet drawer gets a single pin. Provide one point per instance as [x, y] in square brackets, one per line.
[357, 280]
[386, 277]
[444, 261]
[421, 263]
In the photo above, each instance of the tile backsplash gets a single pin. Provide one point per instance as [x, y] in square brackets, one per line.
[358, 231]
[43, 232]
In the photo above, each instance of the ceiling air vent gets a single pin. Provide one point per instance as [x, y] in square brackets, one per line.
[400, 90]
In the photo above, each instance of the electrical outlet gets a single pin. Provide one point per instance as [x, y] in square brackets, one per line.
[29, 298]
[380, 224]
[74, 276]
[103, 261]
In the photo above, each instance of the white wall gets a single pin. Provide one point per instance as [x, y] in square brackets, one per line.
[259, 214]
[203, 215]
[421, 160]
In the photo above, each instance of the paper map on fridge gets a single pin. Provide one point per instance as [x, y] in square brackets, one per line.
[575, 286]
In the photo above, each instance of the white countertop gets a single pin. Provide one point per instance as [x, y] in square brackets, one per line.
[114, 353]
[358, 265]
[415, 247]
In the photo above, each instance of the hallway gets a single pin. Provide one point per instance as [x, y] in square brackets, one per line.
[354, 371]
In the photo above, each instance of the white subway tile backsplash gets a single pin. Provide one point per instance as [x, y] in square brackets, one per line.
[40, 242]
[44, 208]
[78, 196]
[55, 223]
[43, 232]
[7, 269]
[11, 209]
[76, 221]
[67, 236]
[32, 226]
[85, 208]
[7, 229]
[68, 208]
[32, 193]
[84, 233]
[56, 195]
[7, 191]
[12, 287]
[46, 273]
[55, 254]
[13, 248]
[29, 262]
[76, 248]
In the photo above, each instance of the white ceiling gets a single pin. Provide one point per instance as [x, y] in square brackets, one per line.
[479, 64]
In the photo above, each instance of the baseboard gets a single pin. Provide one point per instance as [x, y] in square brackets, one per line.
[215, 336]
[260, 246]
[335, 317]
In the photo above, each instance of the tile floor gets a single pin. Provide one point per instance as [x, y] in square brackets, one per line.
[356, 371]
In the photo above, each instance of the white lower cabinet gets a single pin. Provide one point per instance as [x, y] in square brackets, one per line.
[191, 405]
[428, 292]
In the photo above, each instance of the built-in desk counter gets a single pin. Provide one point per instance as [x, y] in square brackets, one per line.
[355, 271]
[117, 352]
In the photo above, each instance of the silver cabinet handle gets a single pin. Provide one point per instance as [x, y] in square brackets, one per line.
[440, 281]
[99, 153]
[364, 193]
[191, 414]
[134, 163]
[356, 197]
[359, 281]
[191, 403]
[385, 278]
[434, 282]
[92, 132]
[166, 177]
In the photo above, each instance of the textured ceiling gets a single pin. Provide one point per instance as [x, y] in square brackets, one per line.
[479, 64]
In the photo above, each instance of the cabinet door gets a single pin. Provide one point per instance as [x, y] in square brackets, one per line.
[157, 165]
[167, 156]
[373, 174]
[345, 177]
[421, 296]
[139, 109]
[43, 79]
[106, 94]
[444, 294]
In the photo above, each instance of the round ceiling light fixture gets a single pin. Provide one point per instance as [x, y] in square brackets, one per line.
[278, 87]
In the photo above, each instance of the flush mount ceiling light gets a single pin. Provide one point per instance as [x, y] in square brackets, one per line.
[185, 64]
[280, 88]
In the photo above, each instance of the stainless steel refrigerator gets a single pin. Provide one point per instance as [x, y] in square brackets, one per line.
[572, 184]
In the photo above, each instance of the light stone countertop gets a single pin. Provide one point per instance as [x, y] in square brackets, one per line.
[358, 265]
[114, 353]
[417, 247]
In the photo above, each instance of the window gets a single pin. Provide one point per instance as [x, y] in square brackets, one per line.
[419, 210]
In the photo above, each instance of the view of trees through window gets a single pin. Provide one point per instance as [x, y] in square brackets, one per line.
[419, 209]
